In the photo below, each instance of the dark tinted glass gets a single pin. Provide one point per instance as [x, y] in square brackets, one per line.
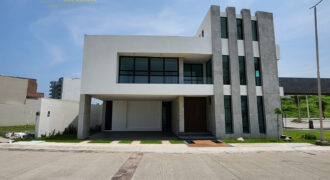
[156, 64]
[125, 79]
[242, 74]
[239, 29]
[171, 64]
[228, 115]
[126, 63]
[255, 36]
[141, 64]
[261, 118]
[226, 70]
[141, 79]
[257, 71]
[245, 114]
[209, 72]
[224, 30]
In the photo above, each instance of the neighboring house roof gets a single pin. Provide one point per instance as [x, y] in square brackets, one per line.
[304, 86]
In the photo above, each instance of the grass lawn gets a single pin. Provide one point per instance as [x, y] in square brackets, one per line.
[5, 129]
[151, 142]
[295, 134]
[176, 141]
[125, 141]
[100, 141]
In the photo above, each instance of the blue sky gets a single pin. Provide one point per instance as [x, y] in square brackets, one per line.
[43, 42]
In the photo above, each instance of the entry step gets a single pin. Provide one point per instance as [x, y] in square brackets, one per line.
[196, 136]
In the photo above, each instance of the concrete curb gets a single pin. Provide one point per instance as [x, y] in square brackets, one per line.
[162, 148]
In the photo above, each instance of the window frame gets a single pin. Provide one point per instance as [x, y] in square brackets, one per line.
[239, 26]
[191, 76]
[134, 73]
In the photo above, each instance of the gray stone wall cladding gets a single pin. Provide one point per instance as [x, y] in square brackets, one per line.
[271, 95]
[234, 72]
[250, 74]
[218, 98]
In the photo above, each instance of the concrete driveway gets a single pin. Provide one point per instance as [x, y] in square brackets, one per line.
[105, 165]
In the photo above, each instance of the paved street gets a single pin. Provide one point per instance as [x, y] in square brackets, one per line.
[115, 165]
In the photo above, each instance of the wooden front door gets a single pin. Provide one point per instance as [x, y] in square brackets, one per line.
[194, 114]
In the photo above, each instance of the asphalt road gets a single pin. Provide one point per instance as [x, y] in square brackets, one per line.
[102, 165]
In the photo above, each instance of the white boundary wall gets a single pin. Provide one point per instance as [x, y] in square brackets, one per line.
[62, 114]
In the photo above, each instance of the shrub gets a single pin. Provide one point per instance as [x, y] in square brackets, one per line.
[309, 136]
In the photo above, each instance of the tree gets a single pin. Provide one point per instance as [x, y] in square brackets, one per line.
[278, 112]
[297, 102]
[324, 105]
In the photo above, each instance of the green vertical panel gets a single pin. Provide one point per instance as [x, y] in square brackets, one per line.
[257, 71]
[224, 29]
[261, 117]
[226, 70]
[239, 23]
[228, 115]
[245, 115]
[255, 36]
[242, 73]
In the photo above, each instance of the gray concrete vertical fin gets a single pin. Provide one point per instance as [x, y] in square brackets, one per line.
[234, 72]
[84, 116]
[250, 74]
[217, 98]
[269, 74]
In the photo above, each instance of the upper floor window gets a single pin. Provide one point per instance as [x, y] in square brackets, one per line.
[225, 69]
[257, 71]
[148, 70]
[193, 73]
[239, 23]
[242, 73]
[209, 72]
[224, 28]
[255, 35]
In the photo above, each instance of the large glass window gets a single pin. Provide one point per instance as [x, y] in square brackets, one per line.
[224, 29]
[228, 115]
[257, 71]
[242, 73]
[148, 70]
[261, 117]
[193, 73]
[225, 70]
[245, 114]
[209, 72]
[239, 23]
[255, 35]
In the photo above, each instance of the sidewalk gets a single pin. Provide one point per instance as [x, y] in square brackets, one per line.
[161, 148]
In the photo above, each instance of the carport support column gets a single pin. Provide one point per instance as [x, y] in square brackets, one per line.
[84, 116]
[181, 114]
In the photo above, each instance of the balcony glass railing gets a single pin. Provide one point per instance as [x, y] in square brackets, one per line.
[164, 80]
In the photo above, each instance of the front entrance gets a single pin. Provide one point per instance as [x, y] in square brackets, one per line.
[194, 114]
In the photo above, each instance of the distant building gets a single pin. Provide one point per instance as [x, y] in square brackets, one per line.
[65, 89]
[18, 100]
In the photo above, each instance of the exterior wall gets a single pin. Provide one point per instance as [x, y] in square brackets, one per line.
[13, 90]
[100, 63]
[137, 116]
[62, 115]
[19, 114]
[71, 89]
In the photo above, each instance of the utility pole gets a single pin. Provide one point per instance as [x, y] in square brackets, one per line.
[321, 142]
